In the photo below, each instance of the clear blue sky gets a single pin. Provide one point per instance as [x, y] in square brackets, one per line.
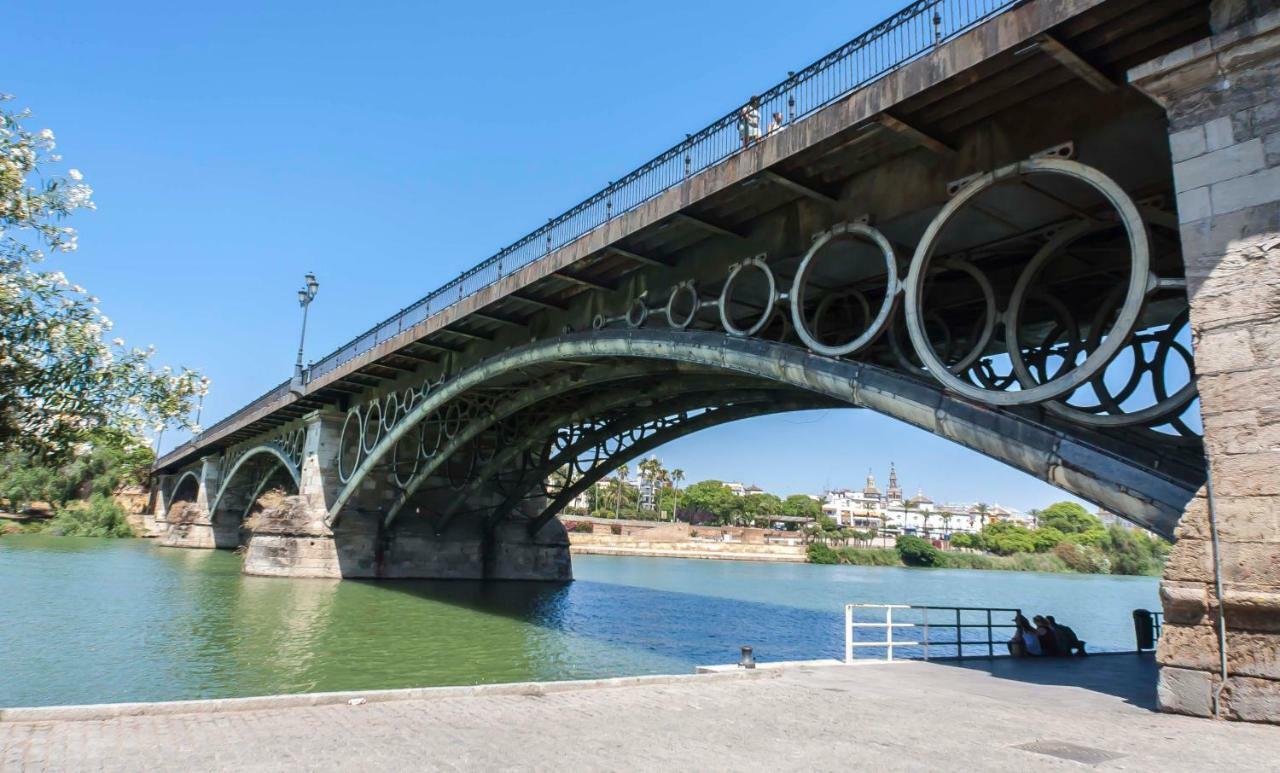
[387, 146]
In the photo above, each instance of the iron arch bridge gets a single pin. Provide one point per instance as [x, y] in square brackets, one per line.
[1062, 353]
[1070, 364]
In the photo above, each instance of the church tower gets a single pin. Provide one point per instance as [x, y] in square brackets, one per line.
[894, 492]
[871, 490]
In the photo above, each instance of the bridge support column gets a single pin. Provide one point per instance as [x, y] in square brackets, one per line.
[301, 545]
[188, 524]
[157, 522]
[1222, 96]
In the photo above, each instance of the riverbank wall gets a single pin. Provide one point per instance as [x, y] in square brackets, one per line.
[666, 539]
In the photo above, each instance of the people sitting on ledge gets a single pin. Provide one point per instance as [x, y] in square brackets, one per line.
[1046, 637]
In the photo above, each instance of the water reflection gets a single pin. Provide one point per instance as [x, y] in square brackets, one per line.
[122, 620]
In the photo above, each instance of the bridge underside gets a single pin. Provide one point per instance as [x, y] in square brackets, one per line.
[1002, 242]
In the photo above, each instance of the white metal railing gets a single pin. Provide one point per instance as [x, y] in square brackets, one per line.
[958, 620]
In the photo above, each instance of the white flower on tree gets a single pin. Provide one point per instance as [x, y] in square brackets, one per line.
[61, 384]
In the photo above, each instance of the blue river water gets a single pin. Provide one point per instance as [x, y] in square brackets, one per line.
[91, 621]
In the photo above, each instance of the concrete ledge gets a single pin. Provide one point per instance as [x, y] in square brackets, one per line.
[99, 711]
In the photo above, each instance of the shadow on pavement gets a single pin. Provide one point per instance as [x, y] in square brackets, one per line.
[1129, 676]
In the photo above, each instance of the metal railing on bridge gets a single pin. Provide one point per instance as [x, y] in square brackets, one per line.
[930, 632]
[906, 35]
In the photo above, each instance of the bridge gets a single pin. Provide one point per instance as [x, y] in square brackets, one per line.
[1043, 229]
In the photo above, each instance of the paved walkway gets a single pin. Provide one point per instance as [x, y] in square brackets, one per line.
[908, 716]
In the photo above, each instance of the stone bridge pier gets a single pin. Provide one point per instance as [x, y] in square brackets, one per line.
[1222, 97]
[199, 509]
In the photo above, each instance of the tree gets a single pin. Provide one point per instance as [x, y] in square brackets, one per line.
[1069, 518]
[623, 472]
[1005, 538]
[652, 471]
[916, 551]
[801, 506]
[760, 505]
[946, 523]
[983, 511]
[677, 477]
[712, 497]
[1046, 538]
[61, 385]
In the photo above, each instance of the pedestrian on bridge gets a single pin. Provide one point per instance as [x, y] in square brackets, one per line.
[749, 122]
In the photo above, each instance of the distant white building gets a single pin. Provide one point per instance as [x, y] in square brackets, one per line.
[740, 490]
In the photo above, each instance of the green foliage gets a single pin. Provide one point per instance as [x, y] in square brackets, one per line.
[1085, 559]
[1069, 518]
[965, 540]
[22, 483]
[710, 497]
[801, 506]
[60, 382]
[1021, 562]
[819, 553]
[915, 551]
[1135, 552]
[1005, 538]
[1046, 538]
[100, 516]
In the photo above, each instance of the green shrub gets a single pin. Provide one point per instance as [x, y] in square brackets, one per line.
[819, 553]
[100, 516]
[869, 557]
[915, 551]
[1006, 538]
[1082, 558]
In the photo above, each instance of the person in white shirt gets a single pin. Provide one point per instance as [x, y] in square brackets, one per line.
[776, 125]
[749, 122]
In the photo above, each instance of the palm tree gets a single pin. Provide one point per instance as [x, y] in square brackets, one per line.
[946, 524]
[677, 476]
[983, 509]
[623, 472]
[883, 515]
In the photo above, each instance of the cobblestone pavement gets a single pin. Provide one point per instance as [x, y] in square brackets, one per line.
[907, 716]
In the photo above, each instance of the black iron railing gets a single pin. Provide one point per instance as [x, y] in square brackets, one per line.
[906, 35]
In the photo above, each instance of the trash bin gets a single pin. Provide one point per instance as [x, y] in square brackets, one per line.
[1144, 629]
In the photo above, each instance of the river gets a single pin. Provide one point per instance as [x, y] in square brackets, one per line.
[93, 621]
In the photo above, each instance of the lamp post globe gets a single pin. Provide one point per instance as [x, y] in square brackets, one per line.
[306, 294]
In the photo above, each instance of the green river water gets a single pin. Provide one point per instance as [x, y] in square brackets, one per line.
[92, 621]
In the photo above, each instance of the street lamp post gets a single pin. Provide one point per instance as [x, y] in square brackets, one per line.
[306, 295]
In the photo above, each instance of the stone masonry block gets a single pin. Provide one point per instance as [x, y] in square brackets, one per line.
[1253, 564]
[1249, 191]
[1265, 118]
[1240, 432]
[1186, 144]
[1271, 148]
[1194, 205]
[1252, 700]
[1184, 603]
[1219, 134]
[1224, 350]
[1186, 691]
[1239, 233]
[1218, 165]
[1236, 390]
[1196, 646]
[1247, 475]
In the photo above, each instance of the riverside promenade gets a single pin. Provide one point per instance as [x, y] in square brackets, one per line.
[983, 715]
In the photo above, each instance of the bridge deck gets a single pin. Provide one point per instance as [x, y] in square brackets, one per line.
[975, 75]
[1024, 715]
